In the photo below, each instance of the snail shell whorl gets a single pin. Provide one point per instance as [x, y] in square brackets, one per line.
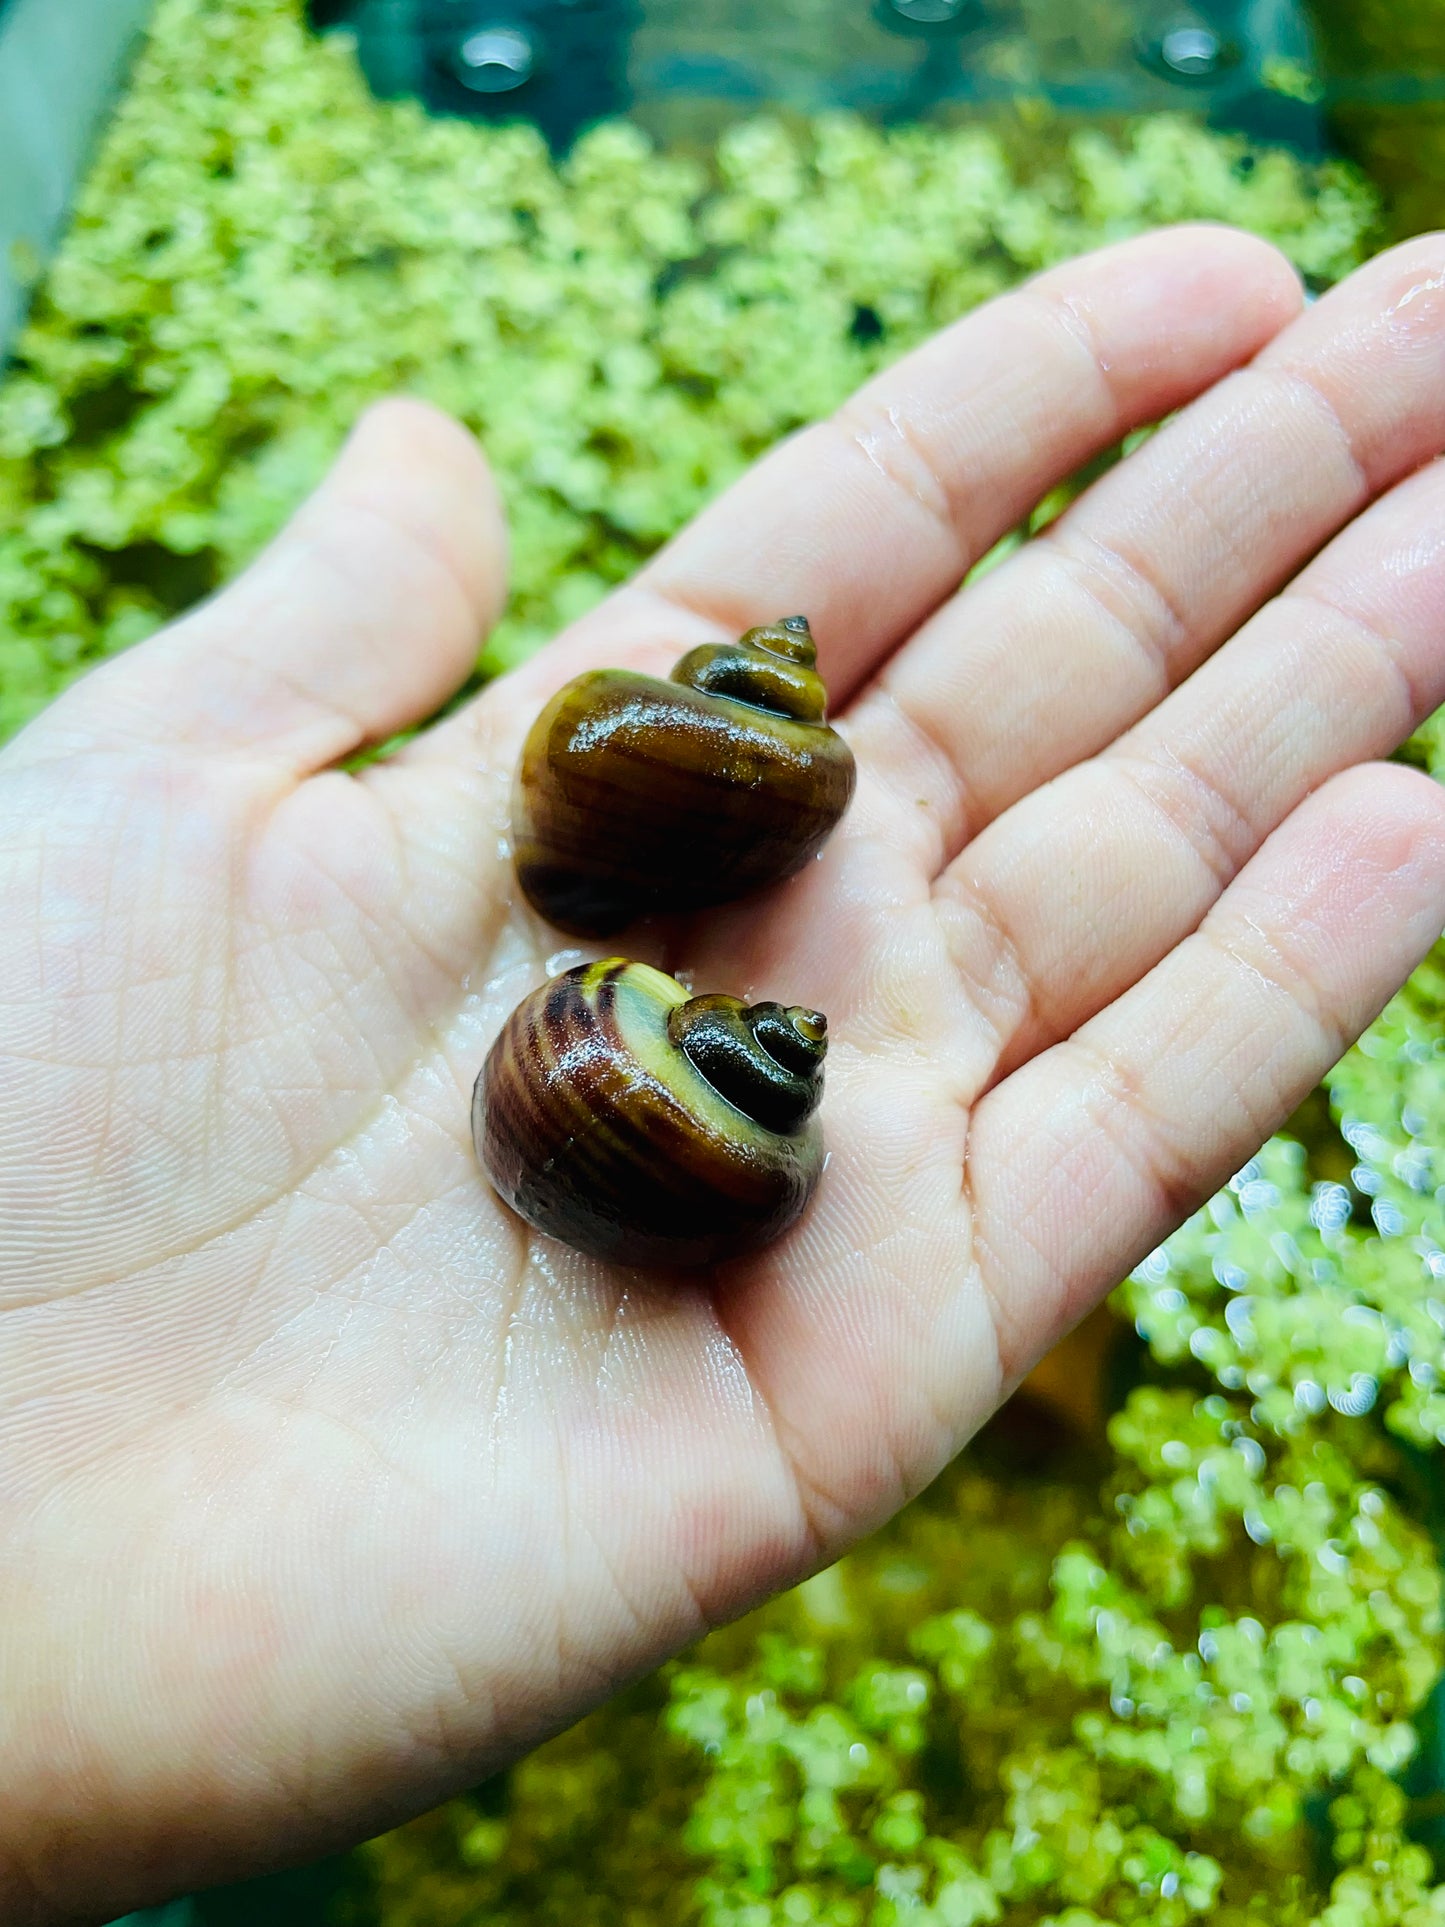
[640, 1125]
[637, 794]
[772, 668]
[764, 1060]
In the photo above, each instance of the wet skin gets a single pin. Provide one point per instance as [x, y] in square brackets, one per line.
[329, 1486]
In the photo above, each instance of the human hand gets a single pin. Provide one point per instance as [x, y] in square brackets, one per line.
[328, 1487]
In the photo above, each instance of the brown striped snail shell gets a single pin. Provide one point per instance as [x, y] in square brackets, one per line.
[636, 794]
[640, 1124]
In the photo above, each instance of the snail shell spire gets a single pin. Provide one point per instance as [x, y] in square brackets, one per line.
[645, 1126]
[637, 794]
[765, 1060]
[772, 669]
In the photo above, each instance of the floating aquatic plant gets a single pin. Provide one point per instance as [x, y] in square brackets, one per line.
[262, 248]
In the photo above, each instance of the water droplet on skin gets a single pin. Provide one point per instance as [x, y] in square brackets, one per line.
[1432, 284]
[561, 960]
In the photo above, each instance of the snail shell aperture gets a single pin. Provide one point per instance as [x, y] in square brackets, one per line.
[639, 1124]
[636, 794]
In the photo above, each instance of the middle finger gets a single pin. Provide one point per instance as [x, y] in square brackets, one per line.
[1047, 659]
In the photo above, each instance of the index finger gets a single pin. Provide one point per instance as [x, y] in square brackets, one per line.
[867, 520]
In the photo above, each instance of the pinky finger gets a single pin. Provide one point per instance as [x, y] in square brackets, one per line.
[1086, 1157]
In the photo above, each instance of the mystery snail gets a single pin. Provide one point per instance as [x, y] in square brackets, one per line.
[637, 1123]
[636, 794]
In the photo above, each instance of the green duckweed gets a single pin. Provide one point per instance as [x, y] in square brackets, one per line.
[261, 249]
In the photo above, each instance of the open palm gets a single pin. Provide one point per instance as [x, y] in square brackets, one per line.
[327, 1486]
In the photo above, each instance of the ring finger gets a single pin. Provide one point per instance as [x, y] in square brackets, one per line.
[1076, 892]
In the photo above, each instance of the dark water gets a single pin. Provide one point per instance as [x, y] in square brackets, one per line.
[685, 70]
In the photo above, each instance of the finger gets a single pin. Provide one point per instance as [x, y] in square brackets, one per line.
[866, 520]
[1078, 890]
[1087, 1157]
[363, 615]
[1047, 659]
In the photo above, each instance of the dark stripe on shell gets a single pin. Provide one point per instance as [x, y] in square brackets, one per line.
[590, 1145]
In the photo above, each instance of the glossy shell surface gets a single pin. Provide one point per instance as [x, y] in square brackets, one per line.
[636, 794]
[595, 1123]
